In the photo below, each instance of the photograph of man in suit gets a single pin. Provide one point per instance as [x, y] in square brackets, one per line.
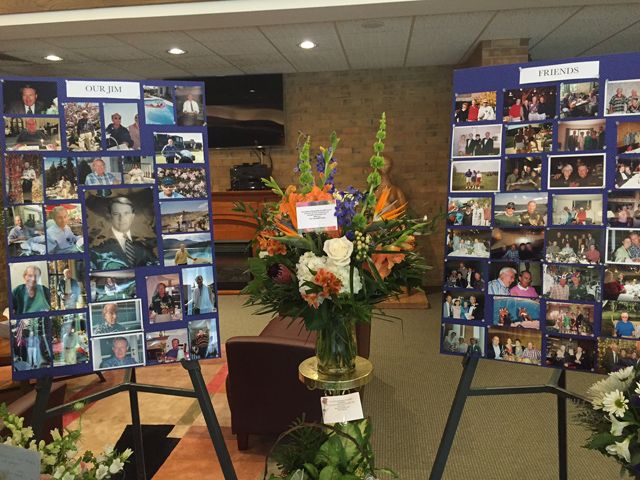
[120, 248]
[121, 356]
[29, 104]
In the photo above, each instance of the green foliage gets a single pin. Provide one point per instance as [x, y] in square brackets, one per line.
[306, 179]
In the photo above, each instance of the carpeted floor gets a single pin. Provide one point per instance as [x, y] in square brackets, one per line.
[508, 437]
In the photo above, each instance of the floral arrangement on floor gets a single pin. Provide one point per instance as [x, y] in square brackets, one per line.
[613, 416]
[334, 278]
[311, 451]
[60, 459]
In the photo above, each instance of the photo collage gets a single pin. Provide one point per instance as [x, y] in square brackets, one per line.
[542, 254]
[109, 227]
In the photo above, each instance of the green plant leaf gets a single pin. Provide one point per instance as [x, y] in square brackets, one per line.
[312, 470]
[330, 473]
[601, 440]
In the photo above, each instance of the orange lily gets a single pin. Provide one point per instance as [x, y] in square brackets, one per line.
[384, 262]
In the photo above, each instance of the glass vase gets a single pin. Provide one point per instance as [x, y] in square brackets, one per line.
[336, 347]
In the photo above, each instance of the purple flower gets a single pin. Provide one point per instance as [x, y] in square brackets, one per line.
[346, 203]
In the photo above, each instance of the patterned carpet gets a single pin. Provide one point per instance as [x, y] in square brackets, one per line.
[408, 401]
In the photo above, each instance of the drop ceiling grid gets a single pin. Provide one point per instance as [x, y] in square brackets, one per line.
[433, 41]
[588, 27]
[86, 41]
[382, 47]
[36, 53]
[624, 41]
[327, 56]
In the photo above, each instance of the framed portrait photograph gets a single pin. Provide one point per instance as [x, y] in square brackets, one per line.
[187, 249]
[572, 282]
[469, 211]
[25, 231]
[460, 305]
[476, 141]
[61, 178]
[620, 319]
[30, 289]
[576, 171]
[203, 339]
[183, 147]
[621, 97]
[622, 283]
[167, 346]
[31, 339]
[122, 130]
[581, 135]
[580, 209]
[198, 291]
[185, 216]
[468, 243]
[23, 176]
[517, 244]
[520, 210]
[529, 104]
[83, 126]
[468, 274]
[475, 107]
[570, 353]
[110, 318]
[159, 106]
[514, 344]
[30, 98]
[121, 228]
[575, 245]
[190, 107]
[580, 99]
[523, 174]
[118, 351]
[70, 341]
[163, 298]
[518, 279]
[462, 339]
[570, 318]
[32, 133]
[112, 285]
[66, 278]
[481, 175]
[528, 138]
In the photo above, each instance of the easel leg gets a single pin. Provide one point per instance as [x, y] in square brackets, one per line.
[562, 429]
[193, 367]
[455, 414]
[141, 472]
[38, 416]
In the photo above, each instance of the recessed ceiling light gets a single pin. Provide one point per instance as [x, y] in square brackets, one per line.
[251, 90]
[307, 44]
[53, 58]
[176, 51]
[372, 24]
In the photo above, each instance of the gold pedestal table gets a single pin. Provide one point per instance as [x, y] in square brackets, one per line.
[335, 384]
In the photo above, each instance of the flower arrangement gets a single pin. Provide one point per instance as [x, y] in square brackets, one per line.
[60, 459]
[613, 416]
[334, 278]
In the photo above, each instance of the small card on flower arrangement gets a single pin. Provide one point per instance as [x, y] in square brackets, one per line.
[19, 463]
[341, 408]
[316, 216]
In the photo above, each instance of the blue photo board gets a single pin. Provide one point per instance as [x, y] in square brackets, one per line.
[107, 207]
[542, 254]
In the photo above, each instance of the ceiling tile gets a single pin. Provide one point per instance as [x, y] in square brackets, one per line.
[533, 23]
[381, 47]
[585, 29]
[444, 39]
[156, 69]
[625, 41]
[86, 41]
[261, 63]
[109, 54]
[234, 41]
[327, 55]
[157, 43]
[208, 65]
[37, 54]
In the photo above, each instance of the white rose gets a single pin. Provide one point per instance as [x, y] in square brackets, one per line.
[339, 250]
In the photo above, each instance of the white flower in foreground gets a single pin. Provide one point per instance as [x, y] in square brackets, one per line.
[126, 454]
[623, 375]
[102, 472]
[620, 449]
[108, 449]
[637, 390]
[617, 426]
[116, 466]
[615, 402]
[338, 250]
[596, 393]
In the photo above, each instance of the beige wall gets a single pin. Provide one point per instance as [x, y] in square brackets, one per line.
[417, 102]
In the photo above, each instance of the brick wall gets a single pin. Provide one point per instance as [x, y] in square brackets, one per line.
[417, 102]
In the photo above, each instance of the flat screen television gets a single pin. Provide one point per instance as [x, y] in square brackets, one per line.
[244, 111]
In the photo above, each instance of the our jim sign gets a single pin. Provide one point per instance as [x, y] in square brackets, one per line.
[99, 89]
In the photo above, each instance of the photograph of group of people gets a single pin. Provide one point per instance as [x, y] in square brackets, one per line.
[580, 209]
[572, 245]
[570, 353]
[520, 210]
[523, 174]
[464, 274]
[481, 175]
[616, 353]
[477, 141]
[463, 306]
[80, 224]
[475, 107]
[469, 211]
[628, 137]
[517, 279]
[578, 100]
[577, 171]
[463, 339]
[514, 344]
[581, 135]
[516, 312]
[529, 104]
[622, 283]
[623, 245]
[570, 318]
[468, 243]
[622, 97]
[528, 138]
[572, 282]
[627, 174]
[517, 244]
